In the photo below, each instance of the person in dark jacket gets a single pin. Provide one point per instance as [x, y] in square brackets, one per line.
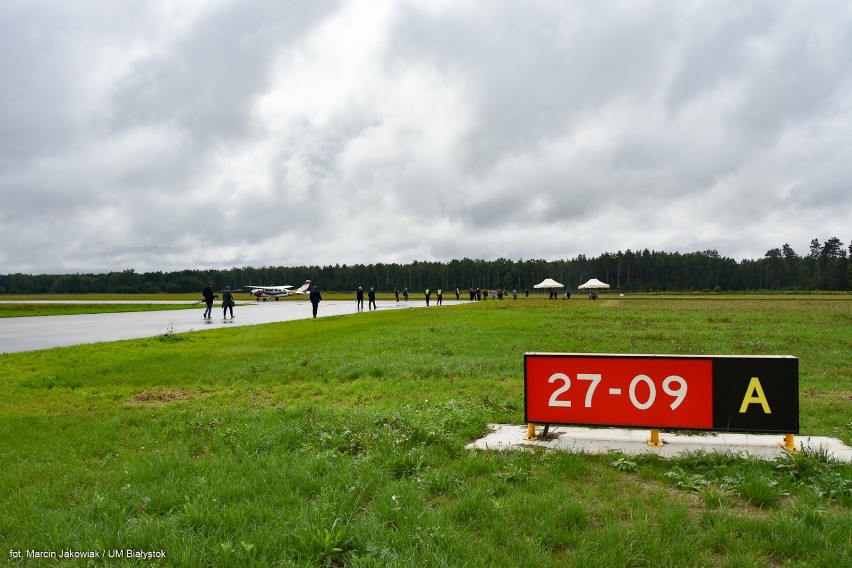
[209, 296]
[359, 299]
[371, 299]
[316, 298]
[227, 302]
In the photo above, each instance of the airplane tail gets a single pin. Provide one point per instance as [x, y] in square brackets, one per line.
[304, 287]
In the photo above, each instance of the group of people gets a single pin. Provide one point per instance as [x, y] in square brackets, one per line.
[227, 301]
[404, 293]
[554, 295]
[439, 296]
[371, 299]
[497, 294]
[316, 297]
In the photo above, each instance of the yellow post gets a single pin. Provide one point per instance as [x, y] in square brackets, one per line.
[531, 432]
[790, 443]
[654, 441]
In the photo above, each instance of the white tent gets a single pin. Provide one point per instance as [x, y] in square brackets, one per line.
[549, 283]
[593, 284]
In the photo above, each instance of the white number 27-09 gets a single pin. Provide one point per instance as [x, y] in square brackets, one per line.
[678, 392]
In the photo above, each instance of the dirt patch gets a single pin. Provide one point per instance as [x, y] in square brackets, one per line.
[161, 396]
[550, 436]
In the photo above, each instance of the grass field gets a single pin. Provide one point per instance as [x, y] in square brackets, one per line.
[340, 442]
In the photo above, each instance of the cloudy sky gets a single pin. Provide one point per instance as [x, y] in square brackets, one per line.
[171, 134]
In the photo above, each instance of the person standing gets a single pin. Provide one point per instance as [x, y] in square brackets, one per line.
[440, 296]
[458, 293]
[396, 293]
[227, 302]
[371, 299]
[359, 299]
[405, 294]
[209, 296]
[316, 298]
[428, 293]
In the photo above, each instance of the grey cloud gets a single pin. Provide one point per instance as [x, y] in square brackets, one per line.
[342, 132]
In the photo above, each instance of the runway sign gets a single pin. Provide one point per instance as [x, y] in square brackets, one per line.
[735, 394]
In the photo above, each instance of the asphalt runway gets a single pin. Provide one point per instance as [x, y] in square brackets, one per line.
[45, 332]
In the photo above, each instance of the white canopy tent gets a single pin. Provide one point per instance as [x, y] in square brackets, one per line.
[593, 284]
[548, 283]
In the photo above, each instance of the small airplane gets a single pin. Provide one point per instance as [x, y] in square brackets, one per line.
[264, 292]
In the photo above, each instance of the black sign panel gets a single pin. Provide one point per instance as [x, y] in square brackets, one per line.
[756, 394]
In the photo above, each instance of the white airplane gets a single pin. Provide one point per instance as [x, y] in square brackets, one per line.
[264, 292]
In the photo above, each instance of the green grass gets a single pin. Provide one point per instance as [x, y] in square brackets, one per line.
[340, 442]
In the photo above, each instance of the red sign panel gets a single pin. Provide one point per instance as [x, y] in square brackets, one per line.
[619, 391]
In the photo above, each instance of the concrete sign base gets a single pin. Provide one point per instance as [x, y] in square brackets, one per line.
[633, 442]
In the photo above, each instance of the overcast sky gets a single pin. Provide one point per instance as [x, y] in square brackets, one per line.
[171, 134]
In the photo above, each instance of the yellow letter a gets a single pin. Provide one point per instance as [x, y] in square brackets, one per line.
[754, 394]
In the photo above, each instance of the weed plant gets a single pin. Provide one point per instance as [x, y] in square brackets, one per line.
[341, 441]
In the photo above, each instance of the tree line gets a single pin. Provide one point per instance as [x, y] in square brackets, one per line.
[826, 266]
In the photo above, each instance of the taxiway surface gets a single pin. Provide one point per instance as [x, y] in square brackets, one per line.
[45, 332]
